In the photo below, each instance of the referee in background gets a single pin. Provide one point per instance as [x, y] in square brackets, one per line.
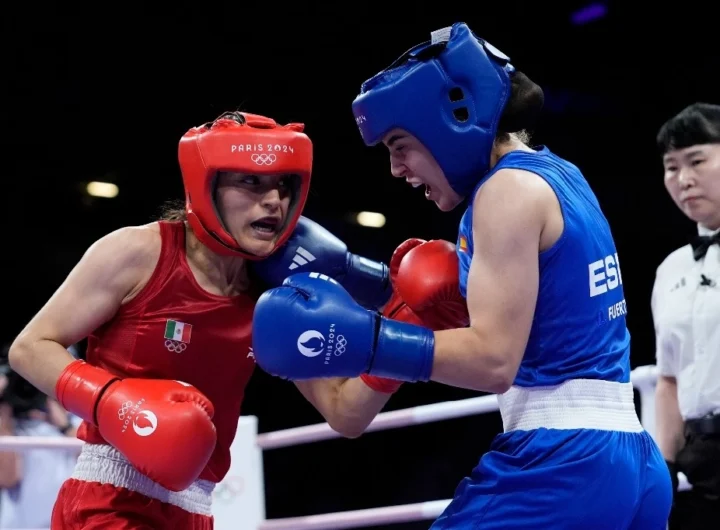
[686, 314]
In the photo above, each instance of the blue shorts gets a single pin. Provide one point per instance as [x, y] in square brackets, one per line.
[564, 479]
[573, 456]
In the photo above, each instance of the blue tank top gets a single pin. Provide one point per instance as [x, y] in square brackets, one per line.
[579, 329]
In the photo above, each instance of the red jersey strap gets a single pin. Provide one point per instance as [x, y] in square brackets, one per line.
[173, 242]
[172, 236]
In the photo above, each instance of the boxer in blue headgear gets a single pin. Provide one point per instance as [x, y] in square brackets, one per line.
[448, 94]
[539, 270]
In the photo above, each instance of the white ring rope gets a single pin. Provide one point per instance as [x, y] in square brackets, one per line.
[643, 379]
[383, 421]
[21, 444]
[360, 518]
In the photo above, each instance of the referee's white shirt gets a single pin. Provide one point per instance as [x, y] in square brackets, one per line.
[686, 315]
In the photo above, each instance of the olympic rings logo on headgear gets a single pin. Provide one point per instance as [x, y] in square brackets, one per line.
[123, 410]
[340, 345]
[177, 347]
[263, 159]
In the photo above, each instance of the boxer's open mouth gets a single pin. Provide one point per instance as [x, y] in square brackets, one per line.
[267, 225]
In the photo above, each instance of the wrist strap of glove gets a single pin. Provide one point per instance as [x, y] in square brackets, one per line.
[79, 388]
[367, 281]
[403, 351]
[381, 384]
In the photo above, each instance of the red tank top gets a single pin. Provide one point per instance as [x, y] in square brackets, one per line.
[174, 329]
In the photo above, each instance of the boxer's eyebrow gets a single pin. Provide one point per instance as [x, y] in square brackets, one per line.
[394, 138]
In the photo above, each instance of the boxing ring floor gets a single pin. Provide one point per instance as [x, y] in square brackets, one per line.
[239, 503]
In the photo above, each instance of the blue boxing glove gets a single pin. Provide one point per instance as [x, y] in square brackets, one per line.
[312, 248]
[311, 327]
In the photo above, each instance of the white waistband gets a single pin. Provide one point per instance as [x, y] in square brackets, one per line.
[574, 404]
[105, 464]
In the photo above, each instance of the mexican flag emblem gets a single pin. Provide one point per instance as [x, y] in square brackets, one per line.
[179, 331]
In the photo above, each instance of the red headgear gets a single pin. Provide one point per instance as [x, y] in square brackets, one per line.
[259, 146]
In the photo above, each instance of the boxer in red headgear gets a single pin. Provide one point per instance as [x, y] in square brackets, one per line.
[167, 308]
[235, 146]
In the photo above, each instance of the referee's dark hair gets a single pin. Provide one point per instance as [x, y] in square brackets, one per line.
[696, 124]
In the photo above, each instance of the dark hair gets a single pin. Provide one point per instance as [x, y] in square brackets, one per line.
[173, 210]
[232, 115]
[522, 109]
[696, 124]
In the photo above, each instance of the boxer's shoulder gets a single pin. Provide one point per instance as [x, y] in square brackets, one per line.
[134, 245]
[129, 255]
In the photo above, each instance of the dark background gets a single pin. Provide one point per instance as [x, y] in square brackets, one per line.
[105, 92]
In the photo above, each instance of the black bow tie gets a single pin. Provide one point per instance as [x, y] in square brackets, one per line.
[701, 244]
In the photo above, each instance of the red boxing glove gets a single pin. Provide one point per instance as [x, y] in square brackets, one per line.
[396, 308]
[426, 292]
[428, 281]
[150, 421]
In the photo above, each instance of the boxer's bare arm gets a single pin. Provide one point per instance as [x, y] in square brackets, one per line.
[110, 273]
[348, 405]
[510, 214]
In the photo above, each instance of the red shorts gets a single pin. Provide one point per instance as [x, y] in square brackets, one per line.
[107, 492]
[93, 506]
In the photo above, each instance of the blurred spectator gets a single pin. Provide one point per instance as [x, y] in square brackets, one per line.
[686, 313]
[30, 481]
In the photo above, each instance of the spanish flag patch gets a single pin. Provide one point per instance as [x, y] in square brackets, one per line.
[463, 244]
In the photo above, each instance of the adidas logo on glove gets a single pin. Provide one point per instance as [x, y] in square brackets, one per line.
[301, 257]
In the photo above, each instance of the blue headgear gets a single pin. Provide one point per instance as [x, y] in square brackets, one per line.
[449, 93]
